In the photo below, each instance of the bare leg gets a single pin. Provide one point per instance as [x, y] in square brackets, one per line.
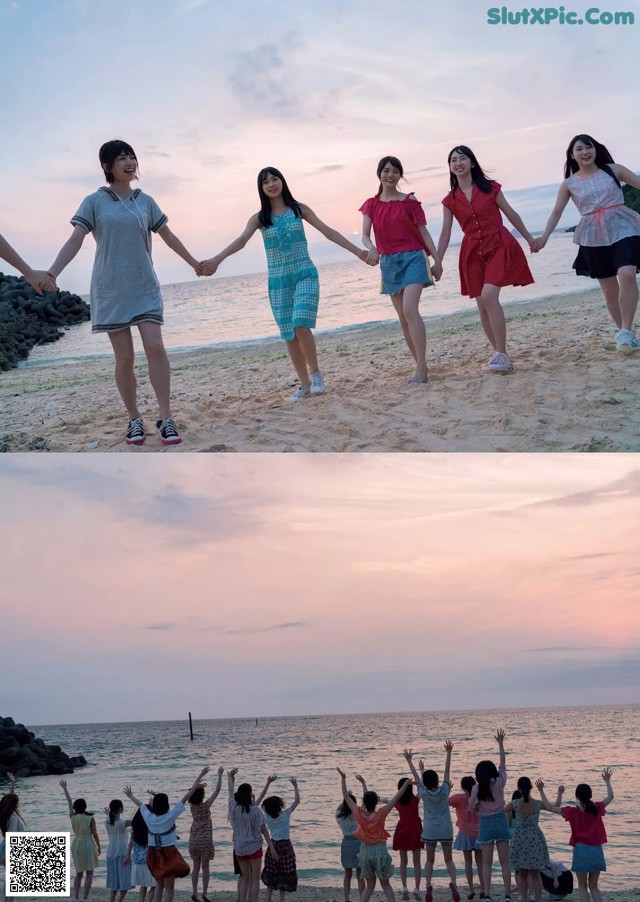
[152, 894]
[404, 858]
[396, 300]
[628, 296]
[611, 290]
[487, 861]
[255, 865]
[308, 344]
[298, 360]
[159, 367]
[428, 866]
[88, 880]
[386, 889]
[583, 887]
[142, 893]
[485, 322]
[169, 888]
[122, 344]
[368, 891]
[468, 868]
[416, 867]
[346, 883]
[521, 883]
[206, 868]
[160, 891]
[77, 882]
[536, 885]
[505, 865]
[410, 305]
[361, 881]
[490, 300]
[596, 895]
[122, 894]
[112, 895]
[245, 882]
[448, 860]
[195, 873]
[478, 855]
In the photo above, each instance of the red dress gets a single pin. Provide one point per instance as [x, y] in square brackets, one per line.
[408, 832]
[489, 254]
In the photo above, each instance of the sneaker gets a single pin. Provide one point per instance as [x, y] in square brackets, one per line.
[455, 895]
[429, 894]
[626, 342]
[168, 432]
[405, 894]
[301, 392]
[500, 363]
[135, 432]
[317, 384]
[416, 895]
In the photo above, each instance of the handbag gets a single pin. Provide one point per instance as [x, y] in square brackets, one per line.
[166, 862]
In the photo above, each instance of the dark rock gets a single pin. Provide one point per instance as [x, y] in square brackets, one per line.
[23, 754]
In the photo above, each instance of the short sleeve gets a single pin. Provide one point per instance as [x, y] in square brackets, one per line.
[568, 813]
[367, 208]
[602, 810]
[446, 787]
[473, 798]
[496, 188]
[416, 212]
[157, 219]
[448, 201]
[422, 791]
[86, 215]
[502, 771]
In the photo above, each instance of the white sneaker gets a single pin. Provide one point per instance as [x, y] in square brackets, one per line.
[301, 392]
[317, 384]
[500, 363]
[626, 342]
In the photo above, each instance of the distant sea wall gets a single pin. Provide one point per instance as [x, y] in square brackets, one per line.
[23, 755]
[28, 319]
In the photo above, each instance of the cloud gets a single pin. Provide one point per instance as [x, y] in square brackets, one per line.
[294, 624]
[161, 626]
[625, 488]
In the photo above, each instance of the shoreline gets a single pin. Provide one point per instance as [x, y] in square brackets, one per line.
[569, 391]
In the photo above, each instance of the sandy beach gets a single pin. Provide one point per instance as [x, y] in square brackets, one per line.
[334, 894]
[569, 391]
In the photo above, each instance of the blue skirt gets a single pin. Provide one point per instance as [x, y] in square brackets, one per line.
[400, 270]
[587, 859]
[118, 876]
[349, 852]
[493, 828]
[465, 843]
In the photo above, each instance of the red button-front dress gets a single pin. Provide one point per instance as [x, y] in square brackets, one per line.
[489, 254]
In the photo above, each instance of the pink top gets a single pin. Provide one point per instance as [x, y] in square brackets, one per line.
[370, 829]
[585, 828]
[395, 223]
[467, 821]
[497, 791]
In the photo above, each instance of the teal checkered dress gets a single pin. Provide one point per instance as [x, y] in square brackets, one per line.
[293, 279]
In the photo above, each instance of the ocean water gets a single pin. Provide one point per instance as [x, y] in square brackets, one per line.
[568, 745]
[235, 310]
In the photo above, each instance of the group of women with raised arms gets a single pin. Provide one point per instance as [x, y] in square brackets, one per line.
[485, 822]
[125, 292]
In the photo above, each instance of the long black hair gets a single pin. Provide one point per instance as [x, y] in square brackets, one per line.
[115, 810]
[343, 810]
[407, 795]
[525, 786]
[264, 216]
[8, 805]
[602, 160]
[139, 829]
[478, 177]
[583, 795]
[486, 771]
[395, 162]
[244, 796]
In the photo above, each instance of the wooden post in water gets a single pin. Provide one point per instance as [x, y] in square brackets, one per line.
[190, 726]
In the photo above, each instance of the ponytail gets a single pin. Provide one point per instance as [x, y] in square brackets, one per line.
[525, 787]
[583, 795]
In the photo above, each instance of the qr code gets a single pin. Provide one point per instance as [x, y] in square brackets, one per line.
[38, 864]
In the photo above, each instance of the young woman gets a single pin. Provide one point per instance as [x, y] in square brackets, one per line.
[249, 829]
[11, 820]
[490, 257]
[125, 292]
[118, 861]
[281, 873]
[141, 876]
[608, 232]
[85, 845]
[487, 797]
[292, 277]
[528, 851]
[349, 848]
[201, 846]
[402, 244]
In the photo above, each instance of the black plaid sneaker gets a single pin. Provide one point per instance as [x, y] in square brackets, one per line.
[135, 432]
[168, 432]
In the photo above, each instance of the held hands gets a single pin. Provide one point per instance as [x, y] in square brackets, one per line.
[499, 737]
[41, 280]
[536, 245]
[207, 267]
[370, 257]
[436, 271]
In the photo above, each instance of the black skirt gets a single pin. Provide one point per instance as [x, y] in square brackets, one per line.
[604, 262]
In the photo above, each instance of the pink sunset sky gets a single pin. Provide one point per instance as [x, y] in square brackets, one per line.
[208, 93]
[262, 585]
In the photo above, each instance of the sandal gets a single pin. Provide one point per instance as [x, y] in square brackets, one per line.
[194, 898]
[471, 895]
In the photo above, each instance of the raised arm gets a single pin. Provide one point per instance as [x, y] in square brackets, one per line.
[445, 233]
[562, 200]
[499, 737]
[345, 792]
[546, 804]
[216, 792]
[607, 773]
[209, 267]
[361, 780]
[447, 762]
[296, 793]
[37, 278]
[389, 805]
[309, 216]
[559, 794]
[68, 251]
[373, 256]
[408, 754]
[129, 794]
[270, 779]
[185, 797]
[177, 246]
[12, 782]
[63, 783]
[231, 780]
